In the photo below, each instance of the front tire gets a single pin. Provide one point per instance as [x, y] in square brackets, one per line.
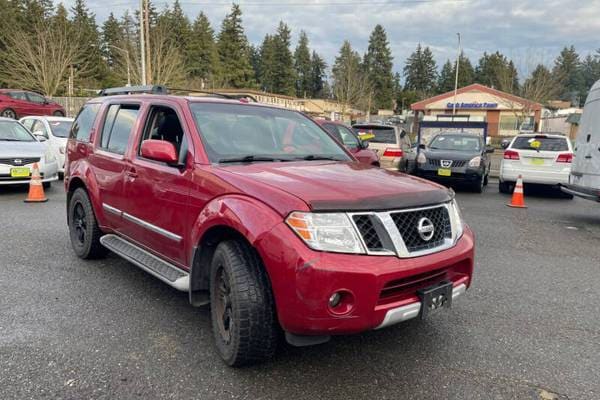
[83, 227]
[242, 308]
[58, 114]
[8, 113]
[477, 186]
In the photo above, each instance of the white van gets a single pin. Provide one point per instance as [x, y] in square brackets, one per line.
[584, 180]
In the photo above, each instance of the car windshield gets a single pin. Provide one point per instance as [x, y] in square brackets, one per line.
[541, 143]
[455, 143]
[381, 134]
[246, 133]
[14, 132]
[60, 129]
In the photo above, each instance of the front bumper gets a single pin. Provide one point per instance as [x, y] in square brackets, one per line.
[49, 172]
[379, 289]
[458, 175]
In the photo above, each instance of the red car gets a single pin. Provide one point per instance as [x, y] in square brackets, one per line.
[348, 138]
[17, 104]
[259, 212]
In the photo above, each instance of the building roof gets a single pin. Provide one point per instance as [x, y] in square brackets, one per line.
[421, 105]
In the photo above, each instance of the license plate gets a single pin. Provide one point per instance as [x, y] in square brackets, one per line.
[20, 172]
[444, 172]
[435, 297]
[537, 161]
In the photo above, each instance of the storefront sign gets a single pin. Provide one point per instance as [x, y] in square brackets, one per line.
[472, 105]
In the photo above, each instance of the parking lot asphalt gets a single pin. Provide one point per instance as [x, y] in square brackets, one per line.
[529, 328]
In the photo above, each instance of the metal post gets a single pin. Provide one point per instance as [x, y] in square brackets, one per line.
[147, 35]
[142, 43]
[456, 77]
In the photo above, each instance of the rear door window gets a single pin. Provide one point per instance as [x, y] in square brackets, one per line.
[381, 134]
[116, 133]
[540, 143]
[82, 127]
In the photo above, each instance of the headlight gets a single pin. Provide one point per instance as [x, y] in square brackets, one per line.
[61, 149]
[421, 159]
[326, 232]
[475, 162]
[49, 156]
[457, 220]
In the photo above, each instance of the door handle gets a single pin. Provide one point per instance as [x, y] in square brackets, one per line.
[131, 172]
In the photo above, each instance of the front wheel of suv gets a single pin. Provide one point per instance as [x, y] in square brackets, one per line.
[83, 227]
[242, 307]
[477, 186]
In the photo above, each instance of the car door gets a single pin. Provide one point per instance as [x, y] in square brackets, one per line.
[21, 104]
[157, 211]
[37, 104]
[109, 161]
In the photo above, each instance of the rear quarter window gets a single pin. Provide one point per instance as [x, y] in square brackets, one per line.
[82, 127]
[545, 144]
[381, 134]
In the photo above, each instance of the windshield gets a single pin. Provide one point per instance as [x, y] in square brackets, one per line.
[381, 134]
[14, 132]
[60, 129]
[248, 133]
[456, 143]
[541, 143]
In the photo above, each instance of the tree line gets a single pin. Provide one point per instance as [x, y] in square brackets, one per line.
[42, 45]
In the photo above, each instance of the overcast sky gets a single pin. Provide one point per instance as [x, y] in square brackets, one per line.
[529, 31]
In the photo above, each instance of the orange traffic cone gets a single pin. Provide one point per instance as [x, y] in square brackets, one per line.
[36, 189]
[518, 201]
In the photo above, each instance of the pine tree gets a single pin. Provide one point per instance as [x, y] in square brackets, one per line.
[303, 67]
[203, 58]
[234, 52]
[421, 72]
[84, 23]
[178, 26]
[111, 36]
[319, 87]
[378, 67]
[590, 69]
[567, 72]
[496, 71]
[267, 64]
[446, 78]
[284, 78]
[466, 74]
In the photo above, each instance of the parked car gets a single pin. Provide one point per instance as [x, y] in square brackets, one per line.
[55, 130]
[16, 104]
[346, 136]
[584, 178]
[391, 143]
[260, 212]
[455, 158]
[19, 150]
[543, 159]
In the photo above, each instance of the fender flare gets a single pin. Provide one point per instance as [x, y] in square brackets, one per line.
[89, 183]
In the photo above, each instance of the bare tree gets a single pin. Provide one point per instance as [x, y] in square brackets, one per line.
[351, 87]
[41, 60]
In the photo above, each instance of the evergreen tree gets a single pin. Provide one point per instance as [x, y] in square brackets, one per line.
[446, 78]
[178, 26]
[267, 64]
[378, 67]
[284, 77]
[350, 83]
[234, 52]
[31, 13]
[84, 23]
[111, 36]
[567, 72]
[590, 69]
[319, 87]
[303, 67]
[203, 58]
[255, 61]
[421, 72]
[540, 86]
[496, 71]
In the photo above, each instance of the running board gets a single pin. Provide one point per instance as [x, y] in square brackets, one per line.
[163, 270]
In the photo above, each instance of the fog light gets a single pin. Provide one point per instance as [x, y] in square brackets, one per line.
[335, 299]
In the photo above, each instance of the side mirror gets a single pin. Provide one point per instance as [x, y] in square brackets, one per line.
[402, 134]
[159, 150]
[422, 146]
[489, 149]
[504, 144]
[39, 135]
[364, 144]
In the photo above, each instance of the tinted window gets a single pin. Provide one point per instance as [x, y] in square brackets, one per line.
[36, 98]
[82, 127]
[381, 134]
[108, 124]
[456, 143]
[18, 95]
[545, 143]
[122, 126]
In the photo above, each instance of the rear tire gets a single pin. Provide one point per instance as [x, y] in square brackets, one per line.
[58, 114]
[504, 187]
[83, 227]
[8, 113]
[486, 179]
[242, 307]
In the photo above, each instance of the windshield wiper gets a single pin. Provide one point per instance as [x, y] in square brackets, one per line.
[248, 159]
[12, 140]
[313, 157]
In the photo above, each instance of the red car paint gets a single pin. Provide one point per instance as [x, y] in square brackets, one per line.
[23, 103]
[362, 154]
[198, 199]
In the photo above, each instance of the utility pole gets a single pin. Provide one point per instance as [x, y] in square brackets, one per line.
[456, 77]
[142, 43]
[147, 35]
[128, 64]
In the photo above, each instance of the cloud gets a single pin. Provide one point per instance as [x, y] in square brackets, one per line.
[528, 31]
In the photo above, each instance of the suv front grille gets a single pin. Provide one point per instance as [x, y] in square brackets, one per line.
[19, 161]
[455, 163]
[397, 232]
[407, 223]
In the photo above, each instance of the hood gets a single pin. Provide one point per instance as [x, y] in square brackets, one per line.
[450, 154]
[21, 149]
[338, 186]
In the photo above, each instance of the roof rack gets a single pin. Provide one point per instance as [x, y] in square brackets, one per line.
[147, 89]
[217, 94]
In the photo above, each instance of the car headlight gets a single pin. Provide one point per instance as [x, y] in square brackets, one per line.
[421, 159]
[326, 231]
[456, 219]
[61, 149]
[49, 156]
[475, 162]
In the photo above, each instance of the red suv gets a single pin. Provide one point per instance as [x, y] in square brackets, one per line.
[348, 138]
[17, 104]
[259, 212]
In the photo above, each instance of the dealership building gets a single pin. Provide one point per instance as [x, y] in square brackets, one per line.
[503, 113]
